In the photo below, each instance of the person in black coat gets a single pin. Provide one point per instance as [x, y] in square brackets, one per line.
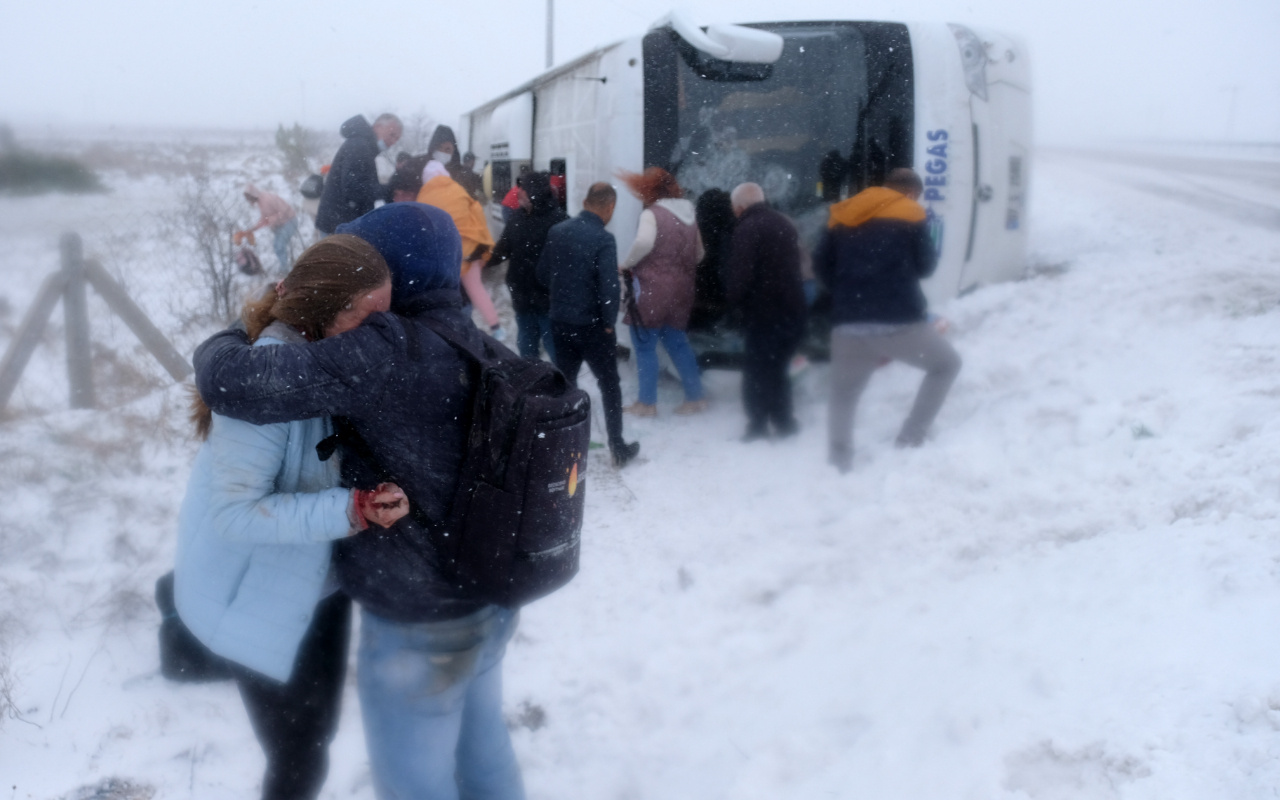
[579, 267]
[764, 283]
[397, 384]
[520, 246]
[351, 188]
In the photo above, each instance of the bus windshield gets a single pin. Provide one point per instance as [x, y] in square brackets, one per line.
[829, 118]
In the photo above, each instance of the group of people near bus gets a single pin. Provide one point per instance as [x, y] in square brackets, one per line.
[276, 539]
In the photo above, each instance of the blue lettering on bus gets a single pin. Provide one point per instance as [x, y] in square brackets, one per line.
[935, 182]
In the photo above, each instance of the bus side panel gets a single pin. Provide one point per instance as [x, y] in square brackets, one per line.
[566, 116]
[1003, 125]
[943, 153]
[620, 134]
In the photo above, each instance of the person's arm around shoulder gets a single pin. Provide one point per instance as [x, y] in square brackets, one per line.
[343, 374]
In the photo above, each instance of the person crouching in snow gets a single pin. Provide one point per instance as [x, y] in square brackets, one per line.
[872, 257]
[275, 213]
[446, 194]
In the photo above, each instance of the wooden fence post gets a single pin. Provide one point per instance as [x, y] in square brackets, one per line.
[76, 314]
[28, 334]
[124, 308]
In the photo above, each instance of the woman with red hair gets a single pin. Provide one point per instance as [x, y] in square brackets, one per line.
[659, 272]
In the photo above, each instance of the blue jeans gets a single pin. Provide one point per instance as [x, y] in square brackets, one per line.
[281, 244]
[532, 328]
[645, 341]
[431, 697]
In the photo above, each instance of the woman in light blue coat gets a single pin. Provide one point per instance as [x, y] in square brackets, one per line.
[252, 579]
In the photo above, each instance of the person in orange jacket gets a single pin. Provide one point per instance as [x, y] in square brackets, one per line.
[446, 194]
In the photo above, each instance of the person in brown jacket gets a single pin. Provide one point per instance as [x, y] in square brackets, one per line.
[763, 281]
[659, 271]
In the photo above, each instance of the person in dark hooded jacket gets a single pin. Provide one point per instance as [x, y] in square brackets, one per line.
[352, 188]
[520, 246]
[430, 653]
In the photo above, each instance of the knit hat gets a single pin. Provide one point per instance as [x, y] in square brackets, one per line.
[419, 243]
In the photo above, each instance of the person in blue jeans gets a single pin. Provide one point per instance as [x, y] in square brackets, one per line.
[660, 271]
[431, 650]
[253, 577]
[521, 246]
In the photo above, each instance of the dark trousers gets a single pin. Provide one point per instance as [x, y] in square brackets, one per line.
[590, 343]
[766, 389]
[296, 721]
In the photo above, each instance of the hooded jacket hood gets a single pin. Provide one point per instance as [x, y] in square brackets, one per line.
[357, 126]
[875, 203]
[683, 209]
[538, 186]
[420, 245]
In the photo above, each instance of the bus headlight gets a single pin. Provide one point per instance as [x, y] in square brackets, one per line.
[973, 57]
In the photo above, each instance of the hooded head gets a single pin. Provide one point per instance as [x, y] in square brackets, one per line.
[444, 133]
[419, 243]
[538, 186]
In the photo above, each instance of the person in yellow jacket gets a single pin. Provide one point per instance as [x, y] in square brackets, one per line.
[446, 194]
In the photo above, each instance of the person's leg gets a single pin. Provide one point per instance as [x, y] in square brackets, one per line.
[548, 341]
[282, 243]
[676, 343]
[645, 342]
[922, 347]
[753, 367]
[528, 331]
[568, 349]
[781, 347]
[413, 681]
[473, 284]
[487, 766]
[296, 721]
[852, 363]
[601, 354]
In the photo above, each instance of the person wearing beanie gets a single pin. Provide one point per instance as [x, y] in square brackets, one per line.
[399, 389]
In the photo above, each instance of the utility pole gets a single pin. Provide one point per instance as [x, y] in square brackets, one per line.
[551, 13]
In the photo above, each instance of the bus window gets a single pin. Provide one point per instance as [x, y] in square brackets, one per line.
[836, 105]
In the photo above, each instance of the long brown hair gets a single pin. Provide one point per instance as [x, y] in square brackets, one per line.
[324, 281]
[652, 185]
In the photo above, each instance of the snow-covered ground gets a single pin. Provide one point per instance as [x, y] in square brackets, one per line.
[1073, 591]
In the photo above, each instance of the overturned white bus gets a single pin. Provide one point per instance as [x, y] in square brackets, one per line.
[779, 103]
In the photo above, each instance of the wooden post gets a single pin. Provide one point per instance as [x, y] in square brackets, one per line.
[125, 309]
[76, 313]
[28, 334]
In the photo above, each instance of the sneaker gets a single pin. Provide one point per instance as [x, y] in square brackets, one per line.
[623, 453]
[755, 434]
[789, 428]
[842, 460]
[691, 407]
[639, 409]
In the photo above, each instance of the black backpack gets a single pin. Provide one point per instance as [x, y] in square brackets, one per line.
[515, 524]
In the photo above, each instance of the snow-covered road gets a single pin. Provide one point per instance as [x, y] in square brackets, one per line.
[1073, 591]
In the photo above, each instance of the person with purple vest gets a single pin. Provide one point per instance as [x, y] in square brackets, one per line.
[660, 271]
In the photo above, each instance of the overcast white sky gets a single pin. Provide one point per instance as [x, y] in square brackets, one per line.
[1103, 69]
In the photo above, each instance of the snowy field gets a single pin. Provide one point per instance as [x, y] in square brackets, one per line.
[1073, 591]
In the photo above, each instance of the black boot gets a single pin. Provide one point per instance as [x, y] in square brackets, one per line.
[623, 453]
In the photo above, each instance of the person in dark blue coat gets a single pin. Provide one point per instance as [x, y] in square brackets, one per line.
[351, 188]
[874, 254]
[579, 267]
[430, 658]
